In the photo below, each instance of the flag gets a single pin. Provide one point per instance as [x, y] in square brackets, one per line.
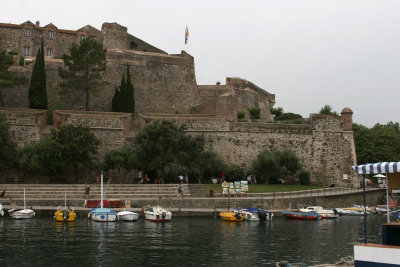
[186, 34]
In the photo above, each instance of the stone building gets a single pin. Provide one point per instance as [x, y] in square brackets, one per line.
[166, 88]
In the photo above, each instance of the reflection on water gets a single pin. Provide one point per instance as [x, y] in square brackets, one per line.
[189, 241]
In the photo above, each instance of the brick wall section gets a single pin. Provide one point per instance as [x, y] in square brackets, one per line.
[110, 127]
[323, 147]
[26, 124]
[247, 95]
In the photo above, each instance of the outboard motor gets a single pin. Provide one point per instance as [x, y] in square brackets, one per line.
[65, 214]
[335, 211]
[262, 216]
[237, 215]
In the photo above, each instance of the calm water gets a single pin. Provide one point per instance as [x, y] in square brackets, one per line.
[186, 241]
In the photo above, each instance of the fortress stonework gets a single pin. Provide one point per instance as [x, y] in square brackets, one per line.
[166, 88]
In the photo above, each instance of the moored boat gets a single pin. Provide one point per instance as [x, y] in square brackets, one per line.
[254, 214]
[311, 215]
[126, 215]
[352, 211]
[231, 217]
[22, 214]
[102, 214]
[65, 214]
[324, 213]
[1, 210]
[157, 214]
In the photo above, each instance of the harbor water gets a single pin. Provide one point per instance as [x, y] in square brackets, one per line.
[186, 241]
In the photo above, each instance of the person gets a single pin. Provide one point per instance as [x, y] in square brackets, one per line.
[180, 179]
[180, 191]
[249, 179]
[87, 190]
[186, 179]
[368, 183]
[3, 194]
[146, 178]
[222, 176]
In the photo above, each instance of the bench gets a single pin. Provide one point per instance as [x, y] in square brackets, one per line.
[11, 180]
[57, 180]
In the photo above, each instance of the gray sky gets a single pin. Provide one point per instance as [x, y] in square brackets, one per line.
[345, 53]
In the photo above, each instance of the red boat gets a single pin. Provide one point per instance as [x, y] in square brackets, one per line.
[312, 215]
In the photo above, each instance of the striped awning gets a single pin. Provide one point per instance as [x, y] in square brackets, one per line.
[375, 168]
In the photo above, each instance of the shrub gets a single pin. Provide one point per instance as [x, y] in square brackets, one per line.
[254, 112]
[241, 114]
[304, 177]
[235, 173]
[21, 60]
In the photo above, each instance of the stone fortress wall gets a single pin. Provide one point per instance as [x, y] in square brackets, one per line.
[166, 84]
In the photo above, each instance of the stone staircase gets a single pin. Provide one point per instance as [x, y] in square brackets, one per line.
[54, 194]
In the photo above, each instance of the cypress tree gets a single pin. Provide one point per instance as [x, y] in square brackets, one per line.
[115, 100]
[37, 90]
[130, 98]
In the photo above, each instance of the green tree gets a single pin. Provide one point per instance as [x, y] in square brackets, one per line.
[280, 115]
[8, 147]
[122, 158]
[37, 90]
[123, 99]
[40, 156]
[130, 105]
[164, 143]
[328, 110]
[272, 164]
[235, 172]
[208, 164]
[87, 60]
[76, 146]
[7, 78]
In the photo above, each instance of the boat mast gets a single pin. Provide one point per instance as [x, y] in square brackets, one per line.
[65, 200]
[101, 190]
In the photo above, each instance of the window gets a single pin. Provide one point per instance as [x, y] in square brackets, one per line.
[50, 33]
[27, 51]
[82, 37]
[27, 32]
[49, 52]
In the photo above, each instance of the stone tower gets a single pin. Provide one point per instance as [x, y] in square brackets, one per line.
[114, 36]
[347, 116]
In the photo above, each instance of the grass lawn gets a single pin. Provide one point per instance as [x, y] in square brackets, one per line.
[267, 188]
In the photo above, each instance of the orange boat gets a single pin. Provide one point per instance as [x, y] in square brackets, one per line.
[231, 217]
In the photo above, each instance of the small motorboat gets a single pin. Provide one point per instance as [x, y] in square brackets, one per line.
[311, 215]
[126, 215]
[231, 217]
[325, 214]
[22, 214]
[352, 211]
[65, 214]
[254, 214]
[157, 214]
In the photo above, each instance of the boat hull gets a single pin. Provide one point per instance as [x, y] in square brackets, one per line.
[308, 216]
[127, 216]
[60, 216]
[102, 215]
[231, 217]
[157, 214]
[21, 214]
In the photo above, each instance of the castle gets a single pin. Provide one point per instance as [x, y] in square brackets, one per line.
[166, 88]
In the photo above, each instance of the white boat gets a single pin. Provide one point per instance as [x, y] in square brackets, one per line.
[126, 215]
[1, 210]
[327, 214]
[351, 211]
[157, 214]
[22, 214]
[253, 214]
[102, 214]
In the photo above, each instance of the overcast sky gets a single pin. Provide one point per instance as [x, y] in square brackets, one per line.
[344, 53]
